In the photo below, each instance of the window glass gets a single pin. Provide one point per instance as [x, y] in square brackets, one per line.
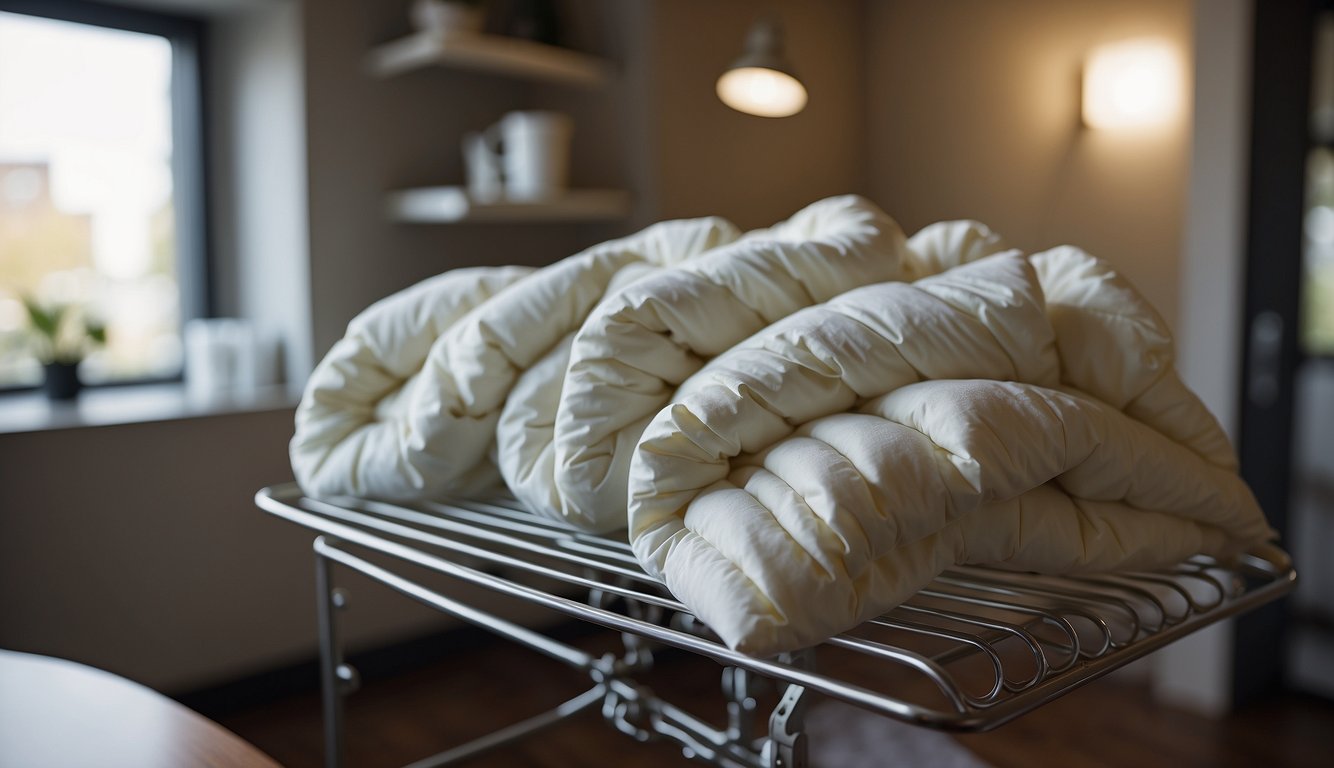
[1317, 319]
[86, 204]
[1318, 275]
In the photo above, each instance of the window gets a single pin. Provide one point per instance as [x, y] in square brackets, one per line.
[1317, 332]
[101, 184]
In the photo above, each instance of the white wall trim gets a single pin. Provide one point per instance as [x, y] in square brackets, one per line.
[1197, 671]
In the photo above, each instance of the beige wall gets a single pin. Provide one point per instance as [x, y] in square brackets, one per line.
[137, 548]
[366, 136]
[1197, 671]
[710, 159]
[657, 129]
[974, 113]
[261, 256]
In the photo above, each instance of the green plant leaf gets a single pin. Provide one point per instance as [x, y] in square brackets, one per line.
[97, 332]
[46, 322]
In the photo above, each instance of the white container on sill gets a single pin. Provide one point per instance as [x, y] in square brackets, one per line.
[222, 359]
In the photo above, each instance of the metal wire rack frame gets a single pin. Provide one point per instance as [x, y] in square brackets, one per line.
[975, 649]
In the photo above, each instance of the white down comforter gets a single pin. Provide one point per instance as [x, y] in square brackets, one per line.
[405, 405]
[571, 423]
[1021, 412]
[801, 425]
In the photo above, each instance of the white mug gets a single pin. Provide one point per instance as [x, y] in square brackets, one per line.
[532, 150]
[481, 166]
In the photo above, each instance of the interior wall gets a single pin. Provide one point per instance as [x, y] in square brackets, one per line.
[656, 129]
[367, 135]
[611, 121]
[993, 134]
[138, 549]
[1197, 671]
[258, 139]
[711, 159]
[974, 112]
[1213, 246]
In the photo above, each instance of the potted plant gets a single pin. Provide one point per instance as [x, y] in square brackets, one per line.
[61, 337]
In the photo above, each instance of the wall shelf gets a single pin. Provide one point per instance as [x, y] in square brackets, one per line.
[445, 205]
[487, 53]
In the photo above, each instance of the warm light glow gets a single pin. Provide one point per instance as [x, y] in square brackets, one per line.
[1131, 84]
[763, 92]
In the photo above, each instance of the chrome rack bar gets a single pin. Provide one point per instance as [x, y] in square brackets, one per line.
[513, 733]
[331, 659]
[975, 649]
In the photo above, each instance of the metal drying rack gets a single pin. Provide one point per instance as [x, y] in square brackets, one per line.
[975, 649]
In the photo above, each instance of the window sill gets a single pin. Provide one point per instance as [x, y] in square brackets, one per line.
[33, 412]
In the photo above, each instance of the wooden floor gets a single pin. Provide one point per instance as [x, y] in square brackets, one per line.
[1107, 724]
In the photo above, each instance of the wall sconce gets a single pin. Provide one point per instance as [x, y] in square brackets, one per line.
[761, 82]
[1131, 84]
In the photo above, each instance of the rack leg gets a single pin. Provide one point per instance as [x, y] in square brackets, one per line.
[787, 745]
[741, 705]
[332, 670]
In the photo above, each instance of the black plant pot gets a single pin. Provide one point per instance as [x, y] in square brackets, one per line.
[62, 381]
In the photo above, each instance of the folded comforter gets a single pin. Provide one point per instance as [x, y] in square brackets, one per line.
[404, 407]
[570, 425]
[1017, 412]
[804, 424]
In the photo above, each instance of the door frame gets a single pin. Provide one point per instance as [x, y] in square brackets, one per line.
[1280, 141]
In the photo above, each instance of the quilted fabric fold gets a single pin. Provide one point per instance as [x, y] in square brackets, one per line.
[801, 425]
[405, 406]
[1018, 412]
[568, 430]
[349, 425]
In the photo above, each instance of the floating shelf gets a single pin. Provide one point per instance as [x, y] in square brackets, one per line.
[443, 205]
[487, 53]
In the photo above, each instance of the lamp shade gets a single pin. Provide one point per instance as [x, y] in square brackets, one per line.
[1133, 84]
[761, 82]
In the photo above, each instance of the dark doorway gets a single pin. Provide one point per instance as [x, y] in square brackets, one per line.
[1286, 439]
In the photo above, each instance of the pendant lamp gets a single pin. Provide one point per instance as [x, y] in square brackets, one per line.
[762, 82]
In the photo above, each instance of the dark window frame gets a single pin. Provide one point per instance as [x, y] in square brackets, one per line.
[189, 136]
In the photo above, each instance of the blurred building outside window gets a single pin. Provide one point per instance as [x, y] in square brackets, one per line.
[87, 194]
